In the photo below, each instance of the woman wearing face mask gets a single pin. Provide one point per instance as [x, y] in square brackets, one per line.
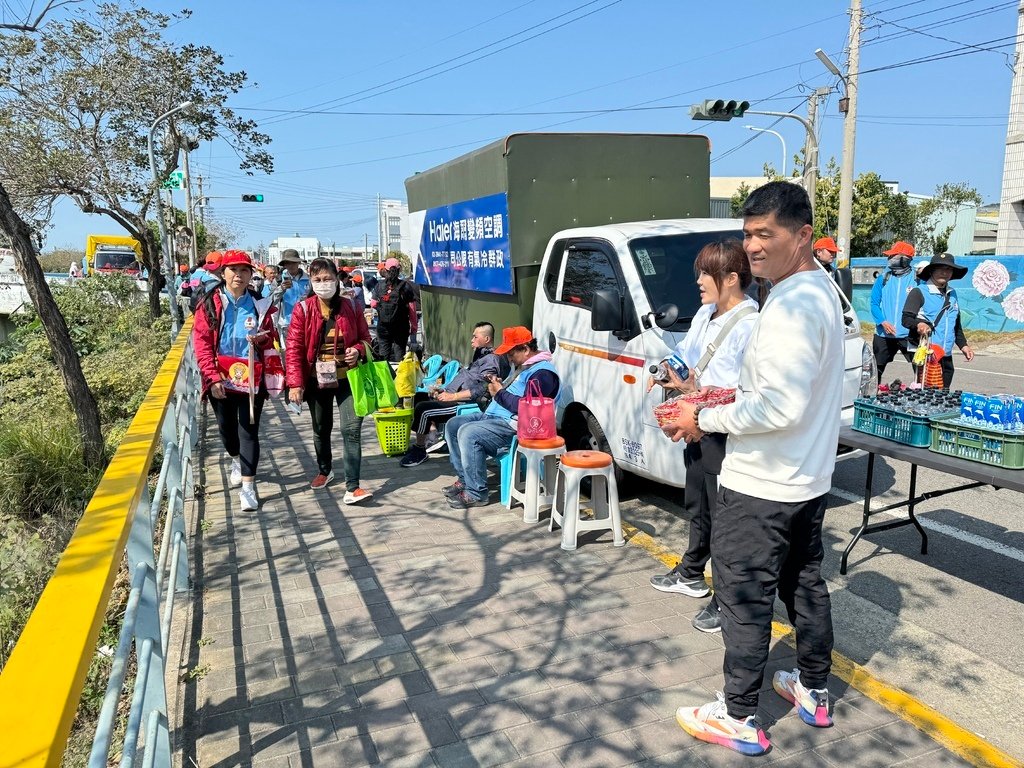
[325, 340]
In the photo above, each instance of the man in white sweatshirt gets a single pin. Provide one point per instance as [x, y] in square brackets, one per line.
[783, 430]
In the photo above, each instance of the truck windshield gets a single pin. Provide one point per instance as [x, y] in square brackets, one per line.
[124, 260]
[665, 265]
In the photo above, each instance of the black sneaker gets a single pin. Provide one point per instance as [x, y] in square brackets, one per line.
[674, 582]
[414, 456]
[465, 501]
[454, 489]
[709, 619]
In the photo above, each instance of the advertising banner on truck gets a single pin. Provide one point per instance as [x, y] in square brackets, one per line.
[464, 245]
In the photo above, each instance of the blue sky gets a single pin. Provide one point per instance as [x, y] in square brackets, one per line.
[920, 125]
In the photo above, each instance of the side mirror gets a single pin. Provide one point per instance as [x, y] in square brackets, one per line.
[664, 317]
[606, 311]
[844, 277]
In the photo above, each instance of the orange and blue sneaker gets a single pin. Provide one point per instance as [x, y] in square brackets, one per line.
[811, 703]
[711, 723]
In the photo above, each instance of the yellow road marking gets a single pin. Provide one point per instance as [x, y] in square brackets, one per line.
[42, 682]
[953, 737]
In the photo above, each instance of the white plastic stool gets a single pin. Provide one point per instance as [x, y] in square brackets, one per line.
[533, 493]
[604, 496]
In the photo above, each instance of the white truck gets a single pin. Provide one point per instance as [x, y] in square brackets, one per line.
[613, 300]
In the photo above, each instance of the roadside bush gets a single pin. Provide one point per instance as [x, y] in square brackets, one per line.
[25, 562]
[44, 472]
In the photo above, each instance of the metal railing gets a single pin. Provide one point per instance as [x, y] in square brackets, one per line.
[42, 683]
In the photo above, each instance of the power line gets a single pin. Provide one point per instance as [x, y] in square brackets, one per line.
[378, 65]
[942, 55]
[348, 99]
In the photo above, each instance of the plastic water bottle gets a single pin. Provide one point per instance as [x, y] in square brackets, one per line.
[293, 408]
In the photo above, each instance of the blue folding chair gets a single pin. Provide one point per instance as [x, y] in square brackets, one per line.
[432, 371]
[441, 374]
[431, 366]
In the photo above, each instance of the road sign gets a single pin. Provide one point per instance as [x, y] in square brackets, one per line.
[176, 180]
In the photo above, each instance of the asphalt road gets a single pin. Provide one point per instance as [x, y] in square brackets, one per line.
[947, 627]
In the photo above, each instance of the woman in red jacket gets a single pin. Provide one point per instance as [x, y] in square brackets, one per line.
[325, 340]
[229, 319]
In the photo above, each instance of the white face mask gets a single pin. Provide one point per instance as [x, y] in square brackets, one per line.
[326, 290]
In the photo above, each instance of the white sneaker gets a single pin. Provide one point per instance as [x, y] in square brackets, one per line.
[810, 703]
[711, 723]
[235, 479]
[248, 498]
[358, 495]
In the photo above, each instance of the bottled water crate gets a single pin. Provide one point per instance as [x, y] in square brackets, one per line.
[892, 425]
[976, 443]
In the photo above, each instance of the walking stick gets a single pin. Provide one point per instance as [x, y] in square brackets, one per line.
[252, 380]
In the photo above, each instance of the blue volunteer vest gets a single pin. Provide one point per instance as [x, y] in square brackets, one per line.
[944, 333]
[291, 297]
[894, 296]
[518, 388]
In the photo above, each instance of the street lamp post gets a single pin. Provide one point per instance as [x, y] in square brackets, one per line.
[777, 135]
[165, 242]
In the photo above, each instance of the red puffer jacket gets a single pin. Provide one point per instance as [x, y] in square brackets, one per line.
[306, 331]
[206, 336]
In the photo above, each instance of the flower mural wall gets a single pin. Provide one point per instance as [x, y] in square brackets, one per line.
[991, 294]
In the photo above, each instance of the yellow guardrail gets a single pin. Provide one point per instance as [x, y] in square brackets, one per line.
[42, 683]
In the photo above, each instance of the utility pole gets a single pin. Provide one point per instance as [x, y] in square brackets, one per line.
[202, 204]
[189, 218]
[849, 138]
[811, 147]
[380, 236]
[366, 245]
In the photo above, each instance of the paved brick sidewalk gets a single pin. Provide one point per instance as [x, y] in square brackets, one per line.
[403, 633]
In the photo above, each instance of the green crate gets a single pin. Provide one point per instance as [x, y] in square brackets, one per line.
[393, 427]
[988, 446]
[892, 425]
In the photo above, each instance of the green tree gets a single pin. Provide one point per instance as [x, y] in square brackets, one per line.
[879, 215]
[739, 197]
[76, 103]
[953, 198]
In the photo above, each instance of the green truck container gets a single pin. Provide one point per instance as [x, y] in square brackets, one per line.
[553, 181]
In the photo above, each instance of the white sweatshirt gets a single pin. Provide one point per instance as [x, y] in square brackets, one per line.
[784, 426]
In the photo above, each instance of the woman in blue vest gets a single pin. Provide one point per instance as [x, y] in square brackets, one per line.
[932, 309]
[471, 439]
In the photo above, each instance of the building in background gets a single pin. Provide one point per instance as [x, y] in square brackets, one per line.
[308, 248]
[1010, 235]
[393, 227]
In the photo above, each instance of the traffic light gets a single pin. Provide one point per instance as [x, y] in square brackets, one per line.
[719, 109]
[252, 198]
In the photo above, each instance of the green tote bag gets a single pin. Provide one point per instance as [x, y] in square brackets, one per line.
[373, 386]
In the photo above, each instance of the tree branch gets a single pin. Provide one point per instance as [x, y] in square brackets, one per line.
[32, 26]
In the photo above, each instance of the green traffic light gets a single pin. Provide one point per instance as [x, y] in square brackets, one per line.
[252, 198]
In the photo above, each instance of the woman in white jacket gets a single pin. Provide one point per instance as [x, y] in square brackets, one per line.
[713, 352]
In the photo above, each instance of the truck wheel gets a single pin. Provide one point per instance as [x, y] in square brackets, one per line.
[586, 434]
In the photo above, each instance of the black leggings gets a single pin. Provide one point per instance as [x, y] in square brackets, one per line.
[241, 437]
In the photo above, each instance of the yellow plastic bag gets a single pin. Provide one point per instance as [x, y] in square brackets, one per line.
[408, 376]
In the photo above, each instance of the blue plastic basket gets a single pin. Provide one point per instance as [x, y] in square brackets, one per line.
[893, 425]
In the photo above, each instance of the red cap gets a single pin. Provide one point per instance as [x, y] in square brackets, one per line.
[213, 259]
[900, 248]
[357, 278]
[827, 243]
[183, 268]
[236, 259]
[513, 337]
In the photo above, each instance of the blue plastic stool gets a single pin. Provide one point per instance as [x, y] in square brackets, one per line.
[505, 467]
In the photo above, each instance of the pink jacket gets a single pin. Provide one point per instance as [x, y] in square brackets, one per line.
[305, 332]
